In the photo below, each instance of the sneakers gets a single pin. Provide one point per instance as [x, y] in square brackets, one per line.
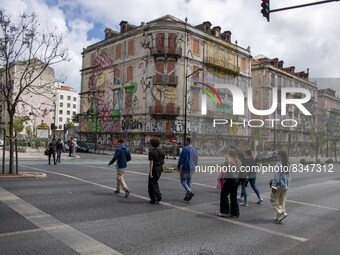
[188, 196]
[244, 204]
[116, 192]
[127, 193]
[260, 200]
[281, 217]
[223, 215]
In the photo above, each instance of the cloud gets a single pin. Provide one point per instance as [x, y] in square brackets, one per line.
[304, 38]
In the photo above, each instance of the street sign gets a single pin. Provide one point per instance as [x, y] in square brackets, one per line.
[42, 131]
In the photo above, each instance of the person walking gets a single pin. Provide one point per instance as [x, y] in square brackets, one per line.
[252, 175]
[280, 185]
[230, 186]
[156, 158]
[51, 151]
[70, 146]
[187, 163]
[59, 148]
[122, 156]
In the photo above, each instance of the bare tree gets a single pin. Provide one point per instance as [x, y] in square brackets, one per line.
[26, 54]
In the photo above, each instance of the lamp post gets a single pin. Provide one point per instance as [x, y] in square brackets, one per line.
[186, 102]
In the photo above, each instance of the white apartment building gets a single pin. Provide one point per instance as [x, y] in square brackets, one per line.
[66, 105]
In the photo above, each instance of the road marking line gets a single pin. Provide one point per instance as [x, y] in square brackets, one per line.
[210, 186]
[71, 237]
[297, 238]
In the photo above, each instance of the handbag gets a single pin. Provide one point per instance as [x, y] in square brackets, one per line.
[270, 183]
[46, 152]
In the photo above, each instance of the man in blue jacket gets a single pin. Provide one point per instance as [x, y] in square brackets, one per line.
[187, 163]
[122, 156]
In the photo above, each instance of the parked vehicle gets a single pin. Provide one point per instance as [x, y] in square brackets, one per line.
[82, 147]
[267, 156]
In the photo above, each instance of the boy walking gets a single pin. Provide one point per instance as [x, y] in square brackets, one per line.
[187, 163]
[122, 156]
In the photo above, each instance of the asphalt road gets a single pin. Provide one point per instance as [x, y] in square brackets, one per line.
[74, 211]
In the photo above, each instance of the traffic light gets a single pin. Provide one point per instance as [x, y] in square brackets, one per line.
[265, 9]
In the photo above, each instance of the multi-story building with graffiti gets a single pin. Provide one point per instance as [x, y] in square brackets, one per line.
[144, 80]
[278, 131]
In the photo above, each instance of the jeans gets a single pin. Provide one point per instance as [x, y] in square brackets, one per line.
[186, 181]
[252, 182]
[244, 191]
[58, 155]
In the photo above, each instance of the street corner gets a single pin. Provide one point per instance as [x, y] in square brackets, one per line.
[36, 175]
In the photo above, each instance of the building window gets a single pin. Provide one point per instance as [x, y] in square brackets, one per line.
[68, 112]
[68, 105]
[160, 41]
[61, 97]
[131, 47]
[60, 127]
[129, 74]
[118, 51]
[61, 104]
[60, 119]
[68, 120]
[60, 111]
[68, 98]
[74, 113]
[74, 99]
[172, 41]
[243, 65]
[196, 47]
[74, 106]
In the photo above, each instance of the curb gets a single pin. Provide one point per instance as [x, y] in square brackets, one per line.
[36, 175]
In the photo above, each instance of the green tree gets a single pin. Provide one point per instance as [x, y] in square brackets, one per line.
[26, 53]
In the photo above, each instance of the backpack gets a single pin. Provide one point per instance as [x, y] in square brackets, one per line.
[128, 155]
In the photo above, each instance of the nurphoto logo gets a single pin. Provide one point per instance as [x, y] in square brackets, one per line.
[239, 105]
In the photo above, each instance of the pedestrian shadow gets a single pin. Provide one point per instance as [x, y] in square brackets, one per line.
[259, 221]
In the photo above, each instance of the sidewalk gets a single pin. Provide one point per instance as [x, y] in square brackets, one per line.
[39, 154]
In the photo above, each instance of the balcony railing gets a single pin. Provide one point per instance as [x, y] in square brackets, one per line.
[222, 65]
[164, 111]
[174, 51]
[165, 79]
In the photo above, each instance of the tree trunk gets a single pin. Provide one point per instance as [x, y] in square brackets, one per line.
[11, 145]
[16, 156]
[4, 152]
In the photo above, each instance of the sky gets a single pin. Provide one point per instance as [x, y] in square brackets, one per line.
[305, 38]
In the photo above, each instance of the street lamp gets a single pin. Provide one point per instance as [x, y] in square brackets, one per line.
[186, 102]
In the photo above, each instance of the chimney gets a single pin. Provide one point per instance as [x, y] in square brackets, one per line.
[226, 36]
[123, 26]
[216, 31]
[108, 33]
[280, 64]
[206, 26]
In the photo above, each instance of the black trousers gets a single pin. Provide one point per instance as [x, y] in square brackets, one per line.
[153, 187]
[49, 158]
[229, 189]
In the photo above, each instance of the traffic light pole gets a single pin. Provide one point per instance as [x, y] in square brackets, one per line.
[302, 5]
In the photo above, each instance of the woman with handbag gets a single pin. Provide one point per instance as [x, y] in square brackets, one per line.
[229, 188]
